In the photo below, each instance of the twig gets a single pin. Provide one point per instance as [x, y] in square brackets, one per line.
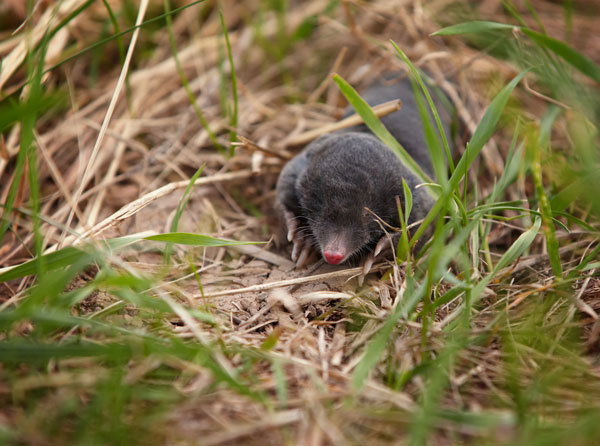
[380, 110]
[299, 280]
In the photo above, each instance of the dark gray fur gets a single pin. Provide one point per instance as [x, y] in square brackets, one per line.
[331, 182]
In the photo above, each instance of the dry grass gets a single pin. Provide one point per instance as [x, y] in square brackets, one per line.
[116, 155]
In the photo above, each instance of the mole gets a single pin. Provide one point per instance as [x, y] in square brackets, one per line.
[330, 193]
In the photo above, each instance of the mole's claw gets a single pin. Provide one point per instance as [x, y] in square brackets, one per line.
[303, 256]
[368, 264]
[380, 245]
[296, 248]
[291, 223]
[361, 279]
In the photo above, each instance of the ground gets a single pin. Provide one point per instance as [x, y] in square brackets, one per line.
[231, 344]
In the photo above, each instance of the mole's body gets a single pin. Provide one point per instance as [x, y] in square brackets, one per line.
[325, 190]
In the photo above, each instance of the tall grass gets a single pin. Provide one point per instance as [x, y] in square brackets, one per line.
[481, 345]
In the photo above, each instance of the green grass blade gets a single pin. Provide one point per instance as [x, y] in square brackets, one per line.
[515, 250]
[375, 125]
[185, 238]
[535, 145]
[65, 257]
[120, 45]
[437, 380]
[512, 10]
[535, 16]
[436, 156]
[488, 123]
[453, 248]
[52, 261]
[375, 349]
[69, 255]
[512, 166]
[402, 250]
[280, 381]
[115, 24]
[184, 81]
[12, 111]
[181, 207]
[476, 26]
[12, 194]
[408, 200]
[184, 199]
[102, 42]
[561, 49]
[30, 352]
[234, 114]
[35, 63]
[566, 52]
[568, 15]
[46, 292]
[482, 134]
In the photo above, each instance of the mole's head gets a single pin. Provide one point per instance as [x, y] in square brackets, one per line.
[339, 241]
[341, 179]
[341, 226]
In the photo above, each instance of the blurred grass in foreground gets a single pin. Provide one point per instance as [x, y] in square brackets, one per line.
[72, 373]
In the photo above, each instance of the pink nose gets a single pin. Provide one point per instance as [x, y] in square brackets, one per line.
[333, 257]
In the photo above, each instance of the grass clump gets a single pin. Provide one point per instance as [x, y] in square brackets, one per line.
[134, 308]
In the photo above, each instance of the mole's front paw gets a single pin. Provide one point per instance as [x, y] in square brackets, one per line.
[383, 245]
[373, 255]
[291, 223]
[301, 250]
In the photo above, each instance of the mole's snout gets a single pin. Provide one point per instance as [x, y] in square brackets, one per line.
[333, 257]
[335, 249]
